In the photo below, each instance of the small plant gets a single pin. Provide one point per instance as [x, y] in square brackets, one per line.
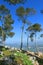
[22, 59]
[1, 56]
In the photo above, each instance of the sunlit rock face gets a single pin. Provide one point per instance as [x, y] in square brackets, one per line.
[40, 54]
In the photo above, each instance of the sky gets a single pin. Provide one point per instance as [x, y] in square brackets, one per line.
[37, 18]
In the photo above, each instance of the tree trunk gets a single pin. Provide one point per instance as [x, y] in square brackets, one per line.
[27, 43]
[36, 43]
[3, 41]
[22, 37]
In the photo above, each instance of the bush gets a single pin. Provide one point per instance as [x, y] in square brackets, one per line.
[22, 59]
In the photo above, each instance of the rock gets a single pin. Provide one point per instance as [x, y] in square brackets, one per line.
[31, 58]
[15, 49]
[36, 63]
[40, 54]
[28, 52]
[5, 58]
[33, 61]
[32, 53]
[1, 53]
[12, 48]
[20, 64]
[34, 58]
[19, 50]
[6, 46]
[15, 54]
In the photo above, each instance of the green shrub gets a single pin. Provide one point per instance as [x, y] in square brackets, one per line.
[22, 59]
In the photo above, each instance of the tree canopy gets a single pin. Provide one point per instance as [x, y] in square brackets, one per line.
[3, 10]
[23, 13]
[35, 27]
[6, 23]
[13, 2]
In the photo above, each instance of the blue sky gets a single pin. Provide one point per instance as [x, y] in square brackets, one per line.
[37, 18]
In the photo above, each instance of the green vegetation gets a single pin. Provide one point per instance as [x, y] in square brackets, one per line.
[7, 53]
[6, 23]
[14, 2]
[22, 58]
[18, 57]
[1, 56]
